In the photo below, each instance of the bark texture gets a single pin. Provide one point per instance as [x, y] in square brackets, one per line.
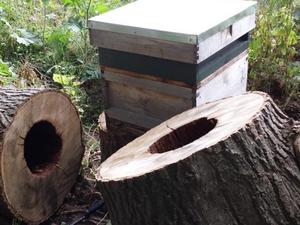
[33, 126]
[115, 134]
[10, 101]
[250, 178]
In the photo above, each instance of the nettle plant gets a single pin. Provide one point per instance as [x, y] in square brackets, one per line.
[273, 67]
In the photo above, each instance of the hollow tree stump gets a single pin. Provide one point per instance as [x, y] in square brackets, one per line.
[40, 152]
[114, 134]
[228, 162]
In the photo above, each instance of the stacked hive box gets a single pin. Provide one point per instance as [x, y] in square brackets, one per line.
[162, 57]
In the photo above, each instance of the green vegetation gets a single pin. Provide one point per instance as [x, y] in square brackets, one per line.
[274, 51]
[46, 43]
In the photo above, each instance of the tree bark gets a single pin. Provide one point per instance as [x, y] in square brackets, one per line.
[40, 152]
[228, 162]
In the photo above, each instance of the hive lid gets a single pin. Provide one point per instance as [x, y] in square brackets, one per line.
[188, 21]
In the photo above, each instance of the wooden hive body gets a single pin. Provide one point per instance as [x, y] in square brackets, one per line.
[160, 58]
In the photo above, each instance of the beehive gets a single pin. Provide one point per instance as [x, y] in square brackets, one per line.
[162, 57]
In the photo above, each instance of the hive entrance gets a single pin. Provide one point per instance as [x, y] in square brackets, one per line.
[42, 146]
[183, 135]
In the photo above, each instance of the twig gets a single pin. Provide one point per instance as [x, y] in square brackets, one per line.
[87, 14]
[72, 211]
[104, 217]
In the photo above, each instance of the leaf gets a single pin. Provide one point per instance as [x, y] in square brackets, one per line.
[5, 22]
[63, 79]
[4, 70]
[74, 27]
[24, 37]
[102, 8]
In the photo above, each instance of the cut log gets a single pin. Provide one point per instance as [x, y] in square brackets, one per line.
[40, 152]
[114, 134]
[227, 162]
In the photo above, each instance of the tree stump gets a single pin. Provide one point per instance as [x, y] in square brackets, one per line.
[40, 152]
[228, 162]
[114, 134]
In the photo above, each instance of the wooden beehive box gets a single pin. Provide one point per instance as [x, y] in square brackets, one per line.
[162, 57]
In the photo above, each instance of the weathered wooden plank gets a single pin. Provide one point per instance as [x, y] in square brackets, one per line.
[145, 76]
[222, 57]
[180, 52]
[172, 70]
[133, 118]
[170, 20]
[145, 46]
[155, 86]
[146, 102]
[223, 38]
[230, 80]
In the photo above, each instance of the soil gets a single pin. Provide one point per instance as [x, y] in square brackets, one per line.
[85, 192]
[83, 195]
[293, 109]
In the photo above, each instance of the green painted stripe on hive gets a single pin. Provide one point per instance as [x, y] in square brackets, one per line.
[172, 70]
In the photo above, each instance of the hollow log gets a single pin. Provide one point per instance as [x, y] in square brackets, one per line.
[40, 152]
[227, 162]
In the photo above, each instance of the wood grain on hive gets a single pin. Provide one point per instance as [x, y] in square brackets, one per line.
[161, 57]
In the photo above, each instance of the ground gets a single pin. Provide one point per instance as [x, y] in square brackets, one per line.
[83, 194]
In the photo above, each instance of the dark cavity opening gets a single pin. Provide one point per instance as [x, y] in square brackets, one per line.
[42, 147]
[183, 135]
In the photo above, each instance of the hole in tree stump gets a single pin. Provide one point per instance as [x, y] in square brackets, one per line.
[42, 147]
[183, 135]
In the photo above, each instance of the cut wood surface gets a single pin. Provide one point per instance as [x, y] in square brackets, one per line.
[229, 162]
[40, 152]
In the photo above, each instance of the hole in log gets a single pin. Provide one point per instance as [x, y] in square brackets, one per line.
[183, 135]
[42, 147]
